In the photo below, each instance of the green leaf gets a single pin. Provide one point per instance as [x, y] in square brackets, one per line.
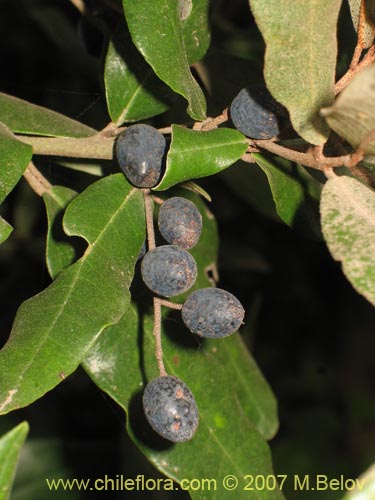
[53, 330]
[227, 440]
[15, 156]
[10, 447]
[353, 113]
[24, 117]
[250, 184]
[195, 29]
[5, 230]
[368, 29]
[300, 60]
[294, 192]
[347, 211]
[133, 91]
[364, 486]
[60, 252]
[157, 33]
[194, 154]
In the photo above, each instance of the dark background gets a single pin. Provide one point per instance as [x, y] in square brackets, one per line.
[310, 332]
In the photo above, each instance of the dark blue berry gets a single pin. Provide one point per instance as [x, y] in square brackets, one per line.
[255, 113]
[212, 313]
[168, 270]
[140, 151]
[170, 408]
[180, 222]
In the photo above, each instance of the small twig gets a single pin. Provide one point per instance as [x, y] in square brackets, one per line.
[157, 301]
[157, 200]
[157, 336]
[38, 183]
[165, 130]
[94, 147]
[171, 305]
[149, 214]
[355, 67]
[109, 130]
[306, 159]
[211, 123]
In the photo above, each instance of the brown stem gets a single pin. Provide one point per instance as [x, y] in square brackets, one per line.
[307, 159]
[157, 336]
[157, 301]
[368, 59]
[95, 147]
[171, 305]
[149, 214]
[38, 183]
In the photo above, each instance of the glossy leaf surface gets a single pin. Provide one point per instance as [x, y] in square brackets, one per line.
[10, 447]
[5, 230]
[133, 91]
[26, 118]
[157, 34]
[194, 154]
[347, 208]
[294, 192]
[300, 59]
[53, 330]
[59, 252]
[227, 440]
[195, 28]
[15, 156]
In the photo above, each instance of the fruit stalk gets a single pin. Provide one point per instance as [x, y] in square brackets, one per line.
[157, 301]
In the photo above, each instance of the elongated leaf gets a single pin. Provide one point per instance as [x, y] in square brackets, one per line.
[133, 91]
[195, 29]
[364, 486]
[157, 34]
[368, 30]
[27, 118]
[15, 156]
[227, 441]
[249, 182]
[60, 252]
[295, 194]
[10, 447]
[300, 60]
[347, 210]
[5, 230]
[53, 330]
[194, 154]
[353, 114]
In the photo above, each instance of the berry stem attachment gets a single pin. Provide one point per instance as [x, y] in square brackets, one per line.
[38, 183]
[149, 214]
[157, 335]
[171, 305]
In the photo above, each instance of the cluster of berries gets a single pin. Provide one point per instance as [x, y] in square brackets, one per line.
[170, 270]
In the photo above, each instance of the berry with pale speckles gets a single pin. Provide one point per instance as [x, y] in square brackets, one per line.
[170, 408]
[180, 222]
[168, 270]
[212, 313]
